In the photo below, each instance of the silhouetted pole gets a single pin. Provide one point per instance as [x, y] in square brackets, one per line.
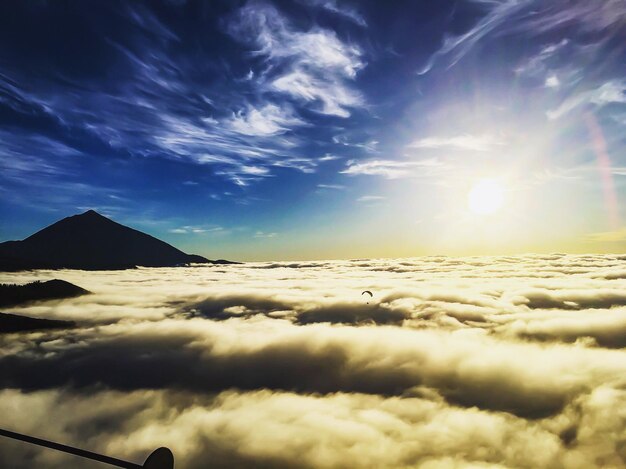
[161, 458]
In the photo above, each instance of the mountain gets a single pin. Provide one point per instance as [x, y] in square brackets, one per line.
[15, 323]
[12, 295]
[91, 241]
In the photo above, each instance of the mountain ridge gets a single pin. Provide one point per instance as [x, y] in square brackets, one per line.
[91, 241]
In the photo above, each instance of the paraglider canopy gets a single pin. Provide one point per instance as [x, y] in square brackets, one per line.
[367, 292]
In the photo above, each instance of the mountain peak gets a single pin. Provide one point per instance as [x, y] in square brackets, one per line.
[92, 241]
[91, 213]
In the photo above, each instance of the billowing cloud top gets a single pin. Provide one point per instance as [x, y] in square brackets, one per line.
[492, 361]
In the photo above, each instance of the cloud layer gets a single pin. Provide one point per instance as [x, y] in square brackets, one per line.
[493, 361]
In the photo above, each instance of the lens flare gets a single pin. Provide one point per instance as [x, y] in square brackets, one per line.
[604, 165]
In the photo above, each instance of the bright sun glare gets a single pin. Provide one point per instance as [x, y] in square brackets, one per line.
[485, 197]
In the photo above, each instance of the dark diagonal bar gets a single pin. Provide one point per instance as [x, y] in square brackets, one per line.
[68, 449]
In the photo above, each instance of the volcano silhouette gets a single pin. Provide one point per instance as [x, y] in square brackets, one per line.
[91, 241]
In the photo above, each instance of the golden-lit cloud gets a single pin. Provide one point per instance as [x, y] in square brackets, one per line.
[512, 361]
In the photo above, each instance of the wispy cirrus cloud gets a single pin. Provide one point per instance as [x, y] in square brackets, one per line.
[340, 8]
[157, 107]
[187, 229]
[483, 142]
[370, 198]
[313, 67]
[575, 42]
[331, 186]
[24, 157]
[509, 17]
[390, 169]
[454, 48]
[334, 97]
[265, 121]
[610, 92]
[370, 146]
[158, 114]
[263, 234]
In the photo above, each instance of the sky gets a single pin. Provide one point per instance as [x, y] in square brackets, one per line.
[319, 129]
[482, 362]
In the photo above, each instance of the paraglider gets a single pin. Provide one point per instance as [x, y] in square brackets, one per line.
[368, 293]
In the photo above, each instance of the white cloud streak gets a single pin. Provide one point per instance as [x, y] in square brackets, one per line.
[370, 198]
[263, 234]
[337, 187]
[341, 9]
[483, 142]
[607, 93]
[390, 169]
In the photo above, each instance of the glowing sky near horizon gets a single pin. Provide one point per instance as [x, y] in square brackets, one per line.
[316, 129]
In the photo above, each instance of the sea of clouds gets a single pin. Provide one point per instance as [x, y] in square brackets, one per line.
[514, 361]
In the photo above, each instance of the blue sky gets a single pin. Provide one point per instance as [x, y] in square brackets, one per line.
[318, 128]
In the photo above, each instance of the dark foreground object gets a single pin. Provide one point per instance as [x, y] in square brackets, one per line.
[90, 241]
[15, 323]
[13, 295]
[161, 458]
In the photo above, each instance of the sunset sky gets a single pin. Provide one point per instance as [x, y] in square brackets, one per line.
[318, 129]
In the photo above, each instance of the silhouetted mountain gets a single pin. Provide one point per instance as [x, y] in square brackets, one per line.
[90, 241]
[12, 295]
[16, 323]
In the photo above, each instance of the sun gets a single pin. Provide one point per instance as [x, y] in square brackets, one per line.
[486, 197]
